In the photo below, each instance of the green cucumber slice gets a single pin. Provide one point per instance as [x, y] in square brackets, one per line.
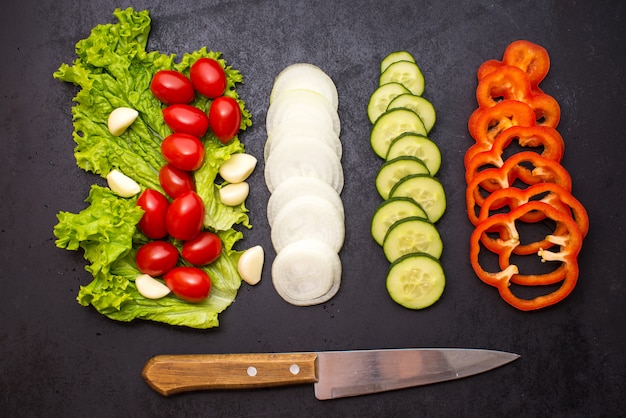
[406, 73]
[424, 109]
[392, 171]
[382, 96]
[412, 235]
[416, 281]
[425, 190]
[395, 57]
[410, 144]
[392, 124]
[390, 211]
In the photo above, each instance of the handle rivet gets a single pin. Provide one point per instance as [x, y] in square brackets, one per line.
[294, 369]
[252, 371]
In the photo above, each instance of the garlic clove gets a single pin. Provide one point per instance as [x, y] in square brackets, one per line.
[120, 119]
[238, 167]
[150, 287]
[250, 265]
[234, 194]
[121, 184]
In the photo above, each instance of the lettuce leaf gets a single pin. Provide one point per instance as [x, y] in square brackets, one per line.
[113, 69]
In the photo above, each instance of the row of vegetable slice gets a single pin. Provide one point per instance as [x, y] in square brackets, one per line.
[413, 198]
[304, 175]
[528, 187]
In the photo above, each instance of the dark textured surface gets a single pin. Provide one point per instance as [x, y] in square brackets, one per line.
[60, 359]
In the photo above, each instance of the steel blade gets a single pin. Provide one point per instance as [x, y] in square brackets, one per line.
[359, 372]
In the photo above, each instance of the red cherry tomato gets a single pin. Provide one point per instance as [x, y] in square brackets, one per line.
[225, 118]
[172, 87]
[208, 77]
[188, 283]
[183, 151]
[204, 249]
[156, 258]
[175, 181]
[185, 216]
[155, 206]
[186, 119]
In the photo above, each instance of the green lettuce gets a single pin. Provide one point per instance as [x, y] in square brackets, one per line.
[113, 69]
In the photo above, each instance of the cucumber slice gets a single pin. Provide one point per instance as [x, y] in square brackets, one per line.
[418, 146]
[390, 211]
[416, 281]
[424, 109]
[392, 171]
[395, 57]
[412, 235]
[392, 124]
[406, 73]
[382, 96]
[425, 190]
[305, 76]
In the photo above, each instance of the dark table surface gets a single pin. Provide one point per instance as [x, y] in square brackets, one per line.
[60, 359]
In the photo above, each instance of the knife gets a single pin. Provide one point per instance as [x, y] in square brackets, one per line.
[335, 374]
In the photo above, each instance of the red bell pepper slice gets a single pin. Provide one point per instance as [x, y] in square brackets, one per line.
[546, 108]
[544, 137]
[544, 170]
[503, 83]
[486, 123]
[550, 193]
[530, 57]
[570, 244]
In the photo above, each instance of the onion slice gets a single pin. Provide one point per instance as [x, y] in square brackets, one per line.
[308, 217]
[305, 76]
[304, 105]
[306, 272]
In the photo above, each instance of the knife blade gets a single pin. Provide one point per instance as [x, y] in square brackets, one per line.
[334, 374]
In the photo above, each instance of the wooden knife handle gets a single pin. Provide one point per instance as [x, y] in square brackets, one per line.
[170, 374]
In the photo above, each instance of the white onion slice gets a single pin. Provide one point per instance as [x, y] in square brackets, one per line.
[305, 76]
[307, 217]
[294, 130]
[301, 186]
[305, 158]
[306, 272]
[302, 105]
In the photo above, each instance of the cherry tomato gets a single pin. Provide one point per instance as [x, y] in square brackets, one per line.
[155, 206]
[172, 87]
[188, 283]
[204, 249]
[225, 118]
[208, 77]
[156, 258]
[183, 151]
[175, 181]
[185, 216]
[186, 119]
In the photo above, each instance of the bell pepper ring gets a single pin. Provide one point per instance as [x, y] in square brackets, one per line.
[485, 124]
[566, 274]
[533, 59]
[548, 139]
[503, 83]
[550, 193]
[546, 108]
[545, 170]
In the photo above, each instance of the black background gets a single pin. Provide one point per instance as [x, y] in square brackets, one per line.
[60, 359]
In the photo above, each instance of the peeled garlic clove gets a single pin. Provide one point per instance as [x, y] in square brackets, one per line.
[150, 287]
[237, 168]
[234, 194]
[120, 119]
[250, 265]
[121, 184]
